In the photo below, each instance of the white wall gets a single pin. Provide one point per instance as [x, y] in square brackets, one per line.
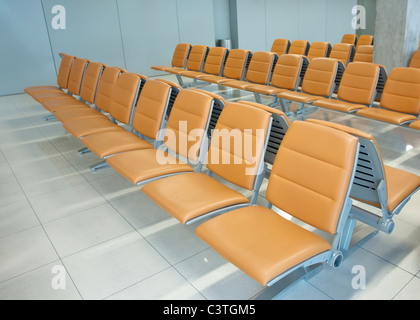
[25, 54]
[262, 21]
[138, 34]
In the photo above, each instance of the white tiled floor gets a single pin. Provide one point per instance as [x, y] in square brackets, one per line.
[115, 243]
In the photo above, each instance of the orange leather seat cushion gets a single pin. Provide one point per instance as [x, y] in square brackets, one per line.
[84, 127]
[264, 89]
[67, 114]
[338, 105]
[215, 79]
[386, 115]
[260, 242]
[35, 89]
[415, 125]
[298, 96]
[140, 165]
[399, 185]
[192, 74]
[238, 84]
[45, 95]
[53, 105]
[107, 143]
[174, 70]
[188, 196]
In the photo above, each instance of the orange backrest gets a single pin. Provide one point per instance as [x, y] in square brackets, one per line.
[90, 81]
[64, 70]
[364, 53]
[359, 82]
[299, 47]
[280, 46]
[260, 67]
[319, 50]
[180, 55]
[151, 106]
[76, 75]
[364, 40]
[215, 60]
[187, 123]
[123, 96]
[236, 63]
[349, 38]
[415, 60]
[287, 71]
[196, 58]
[106, 85]
[237, 143]
[342, 52]
[307, 167]
[320, 77]
[402, 91]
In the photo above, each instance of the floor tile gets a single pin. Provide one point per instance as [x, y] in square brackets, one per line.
[24, 251]
[411, 291]
[15, 217]
[61, 203]
[86, 229]
[215, 278]
[361, 276]
[40, 284]
[138, 209]
[401, 247]
[114, 265]
[174, 240]
[10, 192]
[165, 285]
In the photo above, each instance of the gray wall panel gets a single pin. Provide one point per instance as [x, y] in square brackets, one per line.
[150, 33]
[251, 25]
[92, 31]
[196, 21]
[282, 20]
[339, 17]
[26, 58]
[312, 20]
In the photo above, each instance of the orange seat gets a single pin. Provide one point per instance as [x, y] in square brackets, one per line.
[365, 40]
[235, 67]
[280, 46]
[201, 195]
[147, 121]
[319, 81]
[74, 83]
[259, 71]
[102, 101]
[87, 92]
[300, 47]
[364, 54]
[319, 50]
[124, 94]
[286, 76]
[262, 243]
[400, 102]
[195, 61]
[357, 88]
[179, 57]
[213, 65]
[184, 136]
[415, 60]
[343, 52]
[415, 125]
[350, 39]
[377, 184]
[62, 76]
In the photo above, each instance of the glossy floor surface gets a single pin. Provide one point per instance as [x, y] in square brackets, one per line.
[69, 233]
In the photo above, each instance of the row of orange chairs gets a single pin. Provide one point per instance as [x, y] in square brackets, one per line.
[116, 114]
[292, 77]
